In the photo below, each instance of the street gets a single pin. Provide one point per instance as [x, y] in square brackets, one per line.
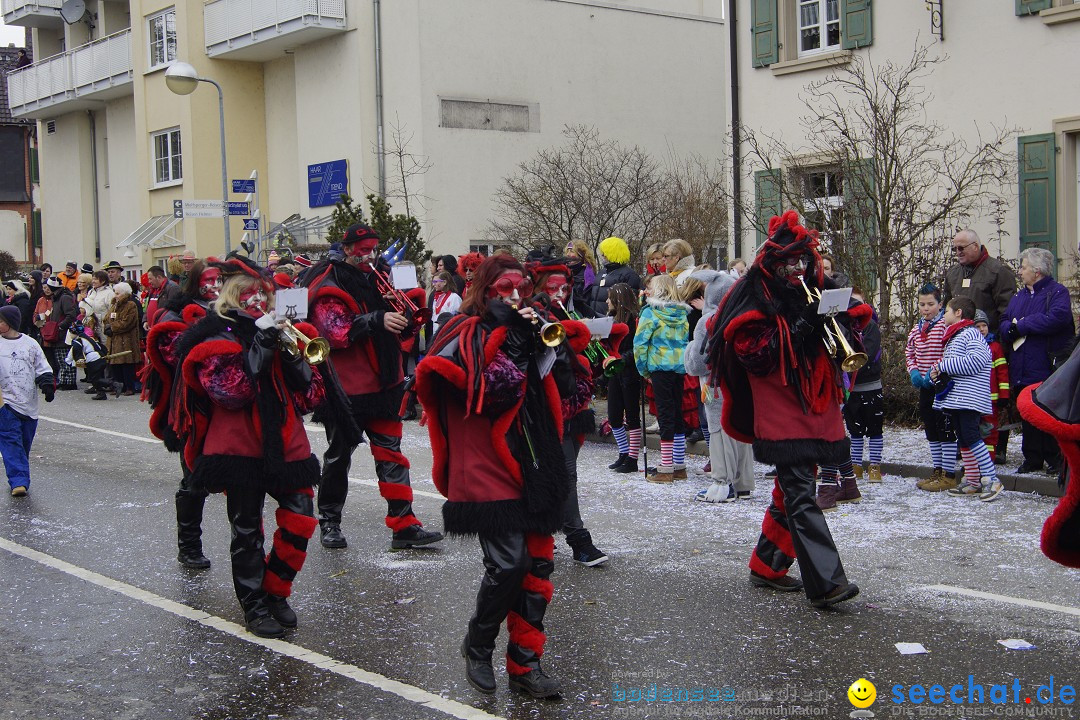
[100, 621]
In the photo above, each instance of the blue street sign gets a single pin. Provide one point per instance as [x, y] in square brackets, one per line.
[326, 182]
[243, 186]
[239, 207]
[251, 223]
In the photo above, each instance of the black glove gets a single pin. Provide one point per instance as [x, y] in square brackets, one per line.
[366, 325]
[108, 332]
[50, 393]
[806, 323]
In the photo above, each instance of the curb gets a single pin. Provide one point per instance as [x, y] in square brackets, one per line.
[1036, 483]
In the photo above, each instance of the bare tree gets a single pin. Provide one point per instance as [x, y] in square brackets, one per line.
[693, 201]
[586, 189]
[405, 169]
[904, 180]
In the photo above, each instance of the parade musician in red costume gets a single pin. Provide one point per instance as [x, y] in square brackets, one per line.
[364, 332]
[492, 395]
[240, 415]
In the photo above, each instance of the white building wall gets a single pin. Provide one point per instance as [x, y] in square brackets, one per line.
[1001, 70]
[120, 179]
[67, 191]
[282, 189]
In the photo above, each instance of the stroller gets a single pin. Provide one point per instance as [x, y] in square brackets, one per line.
[88, 353]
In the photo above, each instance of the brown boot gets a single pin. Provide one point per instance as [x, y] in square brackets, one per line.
[827, 496]
[679, 473]
[663, 475]
[849, 491]
[935, 476]
[873, 473]
[858, 471]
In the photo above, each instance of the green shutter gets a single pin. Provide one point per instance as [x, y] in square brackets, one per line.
[34, 178]
[861, 218]
[767, 191]
[1037, 158]
[858, 25]
[764, 29]
[1032, 7]
[35, 222]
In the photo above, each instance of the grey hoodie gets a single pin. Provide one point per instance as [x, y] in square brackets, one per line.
[717, 285]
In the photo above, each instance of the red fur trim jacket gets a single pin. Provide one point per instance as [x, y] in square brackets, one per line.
[242, 406]
[495, 423]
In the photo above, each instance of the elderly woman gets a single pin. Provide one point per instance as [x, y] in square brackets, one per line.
[678, 256]
[122, 331]
[1038, 324]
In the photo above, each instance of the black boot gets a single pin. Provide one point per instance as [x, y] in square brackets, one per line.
[280, 611]
[585, 553]
[414, 536]
[1002, 447]
[629, 465]
[478, 671]
[331, 537]
[536, 683]
[623, 457]
[244, 508]
[189, 512]
[264, 625]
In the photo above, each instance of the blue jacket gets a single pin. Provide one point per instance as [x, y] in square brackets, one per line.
[1044, 318]
[967, 361]
[661, 337]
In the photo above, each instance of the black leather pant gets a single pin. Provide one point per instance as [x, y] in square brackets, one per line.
[391, 467]
[516, 587]
[254, 574]
[189, 513]
[573, 525]
[793, 517]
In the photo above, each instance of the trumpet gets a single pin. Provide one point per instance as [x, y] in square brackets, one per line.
[400, 301]
[595, 351]
[551, 334]
[316, 349]
[835, 341]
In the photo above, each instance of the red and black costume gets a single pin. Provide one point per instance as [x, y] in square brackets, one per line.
[782, 393]
[495, 419]
[240, 416]
[160, 387]
[348, 309]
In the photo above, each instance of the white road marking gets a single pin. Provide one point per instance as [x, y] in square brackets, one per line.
[1038, 604]
[318, 660]
[153, 440]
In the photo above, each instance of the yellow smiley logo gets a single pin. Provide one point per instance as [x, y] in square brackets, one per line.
[862, 693]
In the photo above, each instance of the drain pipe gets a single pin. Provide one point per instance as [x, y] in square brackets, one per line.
[94, 171]
[736, 131]
[380, 141]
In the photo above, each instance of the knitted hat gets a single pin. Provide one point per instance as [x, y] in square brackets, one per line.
[615, 250]
[73, 265]
[980, 317]
[273, 257]
[302, 261]
[11, 316]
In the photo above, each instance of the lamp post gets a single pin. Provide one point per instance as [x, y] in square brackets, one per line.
[182, 80]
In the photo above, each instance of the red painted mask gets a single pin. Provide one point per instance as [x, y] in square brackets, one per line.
[556, 288]
[253, 300]
[361, 252]
[511, 287]
[792, 269]
[210, 284]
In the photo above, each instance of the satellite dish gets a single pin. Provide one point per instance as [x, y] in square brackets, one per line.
[73, 11]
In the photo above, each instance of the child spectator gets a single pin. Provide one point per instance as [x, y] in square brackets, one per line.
[997, 440]
[22, 366]
[88, 353]
[659, 342]
[962, 378]
[864, 411]
[923, 350]
[624, 389]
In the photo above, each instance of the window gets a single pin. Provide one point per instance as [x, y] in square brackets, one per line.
[162, 37]
[484, 249]
[823, 191]
[819, 26]
[168, 165]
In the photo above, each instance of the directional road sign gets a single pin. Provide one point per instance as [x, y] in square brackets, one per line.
[239, 207]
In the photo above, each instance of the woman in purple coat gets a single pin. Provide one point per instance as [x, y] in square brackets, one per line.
[1037, 324]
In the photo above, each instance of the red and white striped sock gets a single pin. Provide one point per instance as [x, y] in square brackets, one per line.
[666, 449]
[971, 466]
[634, 437]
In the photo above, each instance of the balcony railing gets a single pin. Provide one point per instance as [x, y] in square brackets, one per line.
[32, 13]
[74, 80]
[261, 30]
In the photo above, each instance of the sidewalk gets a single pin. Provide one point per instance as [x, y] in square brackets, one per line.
[904, 443]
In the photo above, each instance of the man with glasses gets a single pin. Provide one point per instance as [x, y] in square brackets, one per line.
[978, 276]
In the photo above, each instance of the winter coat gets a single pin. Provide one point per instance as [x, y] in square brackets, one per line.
[1044, 319]
[685, 264]
[661, 337]
[122, 326]
[966, 360]
[868, 335]
[924, 344]
[26, 309]
[989, 283]
[999, 377]
[64, 311]
[96, 304]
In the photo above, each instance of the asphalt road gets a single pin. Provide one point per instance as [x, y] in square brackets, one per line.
[99, 621]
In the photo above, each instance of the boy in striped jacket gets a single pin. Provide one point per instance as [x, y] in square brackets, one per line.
[924, 345]
[962, 380]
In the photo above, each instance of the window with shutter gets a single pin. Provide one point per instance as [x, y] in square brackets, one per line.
[767, 191]
[858, 24]
[1037, 157]
[1032, 7]
[763, 27]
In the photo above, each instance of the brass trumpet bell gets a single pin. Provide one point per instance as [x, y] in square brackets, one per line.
[552, 334]
[316, 349]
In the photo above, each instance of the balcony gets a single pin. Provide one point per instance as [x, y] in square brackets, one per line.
[79, 79]
[32, 13]
[262, 30]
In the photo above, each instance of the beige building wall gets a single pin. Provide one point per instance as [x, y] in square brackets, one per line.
[121, 181]
[1002, 70]
[67, 210]
[13, 233]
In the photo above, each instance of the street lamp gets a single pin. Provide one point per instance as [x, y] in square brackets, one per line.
[182, 80]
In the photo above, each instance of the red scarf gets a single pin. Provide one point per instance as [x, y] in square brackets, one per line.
[438, 301]
[953, 329]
